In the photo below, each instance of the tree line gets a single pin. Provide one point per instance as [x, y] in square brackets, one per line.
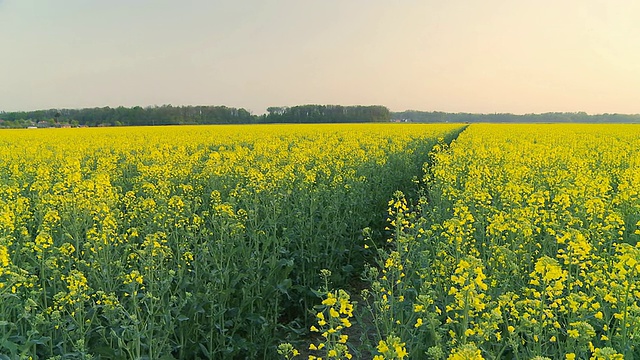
[131, 116]
[327, 114]
[551, 117]
[184, 115]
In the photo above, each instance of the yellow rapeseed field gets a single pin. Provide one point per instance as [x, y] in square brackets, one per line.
[525, 245]
[188, 242]
[214, 242]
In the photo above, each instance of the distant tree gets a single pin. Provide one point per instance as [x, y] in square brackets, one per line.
[326, 114]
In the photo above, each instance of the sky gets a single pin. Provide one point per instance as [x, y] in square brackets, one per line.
[489, 56]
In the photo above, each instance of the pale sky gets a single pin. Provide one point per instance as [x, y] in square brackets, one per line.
[480, 56]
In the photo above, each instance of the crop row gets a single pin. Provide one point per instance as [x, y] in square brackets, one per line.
[524, 245]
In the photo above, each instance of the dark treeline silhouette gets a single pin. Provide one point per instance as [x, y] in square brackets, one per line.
[107, 116]
[553, 117]
[326, 114]
[180, 115]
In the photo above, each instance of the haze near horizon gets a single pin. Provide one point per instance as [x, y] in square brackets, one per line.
[456, 56]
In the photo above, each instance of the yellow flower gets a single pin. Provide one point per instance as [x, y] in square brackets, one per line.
[330, 300]
[466, 352]
[345, 322]
[382, 347]
[132, 277]
[598, 315]
[606, 353]
[401, 352]
[4, 256]
[333, 313]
